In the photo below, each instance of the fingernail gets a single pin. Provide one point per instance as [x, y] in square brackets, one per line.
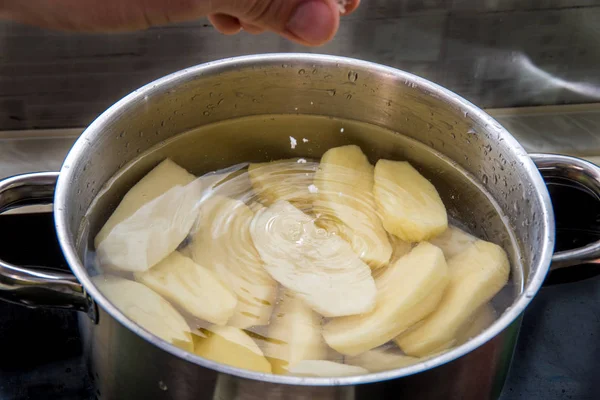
[313, 21]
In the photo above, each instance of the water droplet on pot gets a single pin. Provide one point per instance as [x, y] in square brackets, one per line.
[162, 386]
[331, 92]
[206, 113]
[484, 179]
[301, 72]
[352, 76]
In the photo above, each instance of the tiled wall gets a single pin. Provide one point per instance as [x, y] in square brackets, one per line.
[496, 53]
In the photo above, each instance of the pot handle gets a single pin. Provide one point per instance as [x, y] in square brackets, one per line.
[587, 175]
[37, 287]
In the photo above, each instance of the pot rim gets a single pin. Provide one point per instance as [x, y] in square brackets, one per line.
[535, 280]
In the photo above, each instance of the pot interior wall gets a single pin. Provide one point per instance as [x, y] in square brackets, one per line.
[455, 145]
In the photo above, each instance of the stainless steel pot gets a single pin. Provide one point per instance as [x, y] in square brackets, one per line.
[127, 362]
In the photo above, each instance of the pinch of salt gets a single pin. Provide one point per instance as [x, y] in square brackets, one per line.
[342, 5]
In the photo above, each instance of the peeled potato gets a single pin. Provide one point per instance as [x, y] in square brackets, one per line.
[408, 291]
[410, 206]
[476, 275]
[320, 268]
[482, 319]
[345, 203]
[381, 360]
[163, 177]
[152, 232]
[284, 180]
[294, 335]
[146, 308]
[192, 287]
[453, 241]
[221, 242]
[323, 368]
[231, 346]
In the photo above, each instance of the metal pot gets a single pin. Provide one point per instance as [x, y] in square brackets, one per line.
[127, 362]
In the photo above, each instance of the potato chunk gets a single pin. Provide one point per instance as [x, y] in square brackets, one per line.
[410, 206]
[146, 308]
[294, 335]
[192, 287]
[408, 291]
[320, 268]
[221, 242]
[381, 360]
[345, 203]
[231, 346]
[152, 232]
[476, 275]
[161, 179]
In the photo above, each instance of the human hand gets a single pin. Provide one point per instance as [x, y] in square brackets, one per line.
[308, 22]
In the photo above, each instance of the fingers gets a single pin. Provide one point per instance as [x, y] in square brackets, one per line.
[225, 24]
[312, 23]
[309, 22]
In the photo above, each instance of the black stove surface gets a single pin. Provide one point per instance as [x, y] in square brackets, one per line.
[557, 357]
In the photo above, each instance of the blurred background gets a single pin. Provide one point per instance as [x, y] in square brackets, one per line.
[496, 53]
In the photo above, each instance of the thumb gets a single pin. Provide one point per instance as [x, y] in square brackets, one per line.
[309, 22]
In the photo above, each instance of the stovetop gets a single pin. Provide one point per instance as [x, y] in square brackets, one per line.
[557, 356]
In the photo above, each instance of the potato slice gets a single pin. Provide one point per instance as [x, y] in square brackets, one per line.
[483, 319]
[146, 308]
[192, 287]
[326, 369]
[320, 268]
[410, 206]
[294, 335]
[153, 231]
[222, 244]
[345, 203]
[476, 275]
[230, 346]
[289, 180]
[408, 291]
[453, 241]
[163, 177]
[381, 360]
